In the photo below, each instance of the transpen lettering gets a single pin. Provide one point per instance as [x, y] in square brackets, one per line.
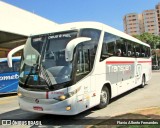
[119, 68]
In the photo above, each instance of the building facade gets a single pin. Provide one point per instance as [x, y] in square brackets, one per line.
[147, 21]
[158, 15]
[150, 22]
[17, 24]
[132, 24]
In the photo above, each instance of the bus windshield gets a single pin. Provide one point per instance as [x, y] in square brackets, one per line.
[43, 61]
[53, 59]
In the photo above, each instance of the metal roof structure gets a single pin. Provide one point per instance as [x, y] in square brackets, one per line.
[17, 24]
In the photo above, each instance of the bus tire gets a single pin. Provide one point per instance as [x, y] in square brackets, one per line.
[143, 81]
[104, 98]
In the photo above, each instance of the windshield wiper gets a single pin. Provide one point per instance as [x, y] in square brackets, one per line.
[46, 76]
[44, 73]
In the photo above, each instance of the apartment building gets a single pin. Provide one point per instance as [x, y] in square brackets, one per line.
[150, 21]
[158, 15]
[132, 23]
[147, 21]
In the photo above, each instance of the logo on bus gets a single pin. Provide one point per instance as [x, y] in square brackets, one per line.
[119, 68]
[37, 101]
[11, 77]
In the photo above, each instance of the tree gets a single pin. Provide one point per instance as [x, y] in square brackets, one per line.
[152, 40]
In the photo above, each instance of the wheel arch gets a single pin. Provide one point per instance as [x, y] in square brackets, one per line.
[108, 85]
[144, 76]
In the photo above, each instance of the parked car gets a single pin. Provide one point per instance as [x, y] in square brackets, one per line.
[155, 67]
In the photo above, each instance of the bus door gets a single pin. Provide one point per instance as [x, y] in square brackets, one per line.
[81, 78]
[138, 72]
[138, 66]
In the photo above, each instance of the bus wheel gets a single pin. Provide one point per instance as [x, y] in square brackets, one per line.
[104, 98]
[143, 81]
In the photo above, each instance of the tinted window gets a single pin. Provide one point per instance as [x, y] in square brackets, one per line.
[86, 52]
[121, 47]
[130, 50]
[108, 47]
[16, 66]
[38, 42]
[143, 51]
[94, 34]
[148, 52]
[117, 46]
[83, 67]
[137, 50]
[55, 51]
[5, 69]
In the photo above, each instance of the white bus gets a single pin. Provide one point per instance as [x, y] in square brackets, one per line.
[78, 66]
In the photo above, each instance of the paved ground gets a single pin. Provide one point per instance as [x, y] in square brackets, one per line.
[8, 103]
[131, 101]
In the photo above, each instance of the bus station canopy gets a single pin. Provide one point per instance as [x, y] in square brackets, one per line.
[17, 24]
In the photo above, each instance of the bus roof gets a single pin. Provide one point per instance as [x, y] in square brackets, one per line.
[89, 24]
[13, 58]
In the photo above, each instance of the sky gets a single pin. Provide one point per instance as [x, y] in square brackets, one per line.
[110, 12]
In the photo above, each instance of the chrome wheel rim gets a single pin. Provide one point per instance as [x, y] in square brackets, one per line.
[104, 97]
[143, 81]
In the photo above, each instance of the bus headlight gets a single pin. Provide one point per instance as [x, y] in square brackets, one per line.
[68, 95]
[62, 97]
[19, 94]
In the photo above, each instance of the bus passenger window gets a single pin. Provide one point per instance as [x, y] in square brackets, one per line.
[120, 47]
[129, 53]
[130, 49]
[108, 47]
[4, 68]
[148, 52]
[119, 52]
[142, 51]
[137, 54]
[137, 50]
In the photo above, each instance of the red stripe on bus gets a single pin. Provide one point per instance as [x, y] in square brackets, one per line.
[119, 62]
[47, 95]
[144, 61]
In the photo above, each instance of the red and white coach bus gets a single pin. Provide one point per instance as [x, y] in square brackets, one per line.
[80, 65]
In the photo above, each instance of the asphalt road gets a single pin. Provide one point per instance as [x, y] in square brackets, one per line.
[138, 98]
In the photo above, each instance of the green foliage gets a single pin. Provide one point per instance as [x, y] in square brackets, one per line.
[152, 40]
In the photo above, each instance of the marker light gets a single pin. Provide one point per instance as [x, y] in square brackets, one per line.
[68, 108]
[68, 95]
[62, 97]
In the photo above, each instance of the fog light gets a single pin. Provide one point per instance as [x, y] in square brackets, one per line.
[62, 97]
[19, 94]
[68, 108]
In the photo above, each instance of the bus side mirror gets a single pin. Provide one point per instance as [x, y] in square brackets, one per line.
[11, 53]
[71, 45]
